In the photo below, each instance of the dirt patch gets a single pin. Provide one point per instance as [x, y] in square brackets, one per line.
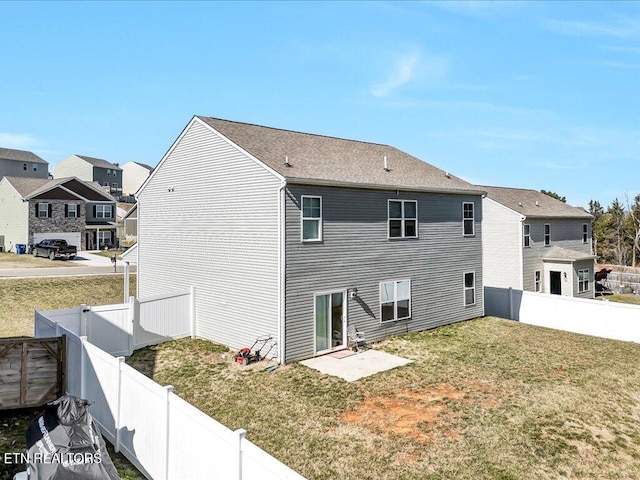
[416, 414]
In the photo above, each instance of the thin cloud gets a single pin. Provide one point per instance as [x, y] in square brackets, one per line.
[17, 140]
[623, 29]
[623, 65]
[403, 72]
[477, 8]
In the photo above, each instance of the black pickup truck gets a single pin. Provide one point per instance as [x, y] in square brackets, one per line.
[54, 248]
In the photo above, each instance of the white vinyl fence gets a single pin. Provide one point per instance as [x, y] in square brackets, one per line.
[599, 318]
[162, 435]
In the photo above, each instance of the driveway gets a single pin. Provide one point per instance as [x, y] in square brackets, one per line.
[85, 263]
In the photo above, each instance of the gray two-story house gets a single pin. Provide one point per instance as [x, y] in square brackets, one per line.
[299, 236]
[534, 242]
[21, 163]
[90, 169]
[32, 209]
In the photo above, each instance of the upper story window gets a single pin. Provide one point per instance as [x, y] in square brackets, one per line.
[102, 211]
[395, 300]
[108, 172]
[24, 166]
[403, 219]
[538, 281]
[468, 224]
[34, 166]
[585, 233]
[547, 234]
[311, 218]
[527, 234]
[469, 288]
[43, 210]
[583, 281]
[71, 210]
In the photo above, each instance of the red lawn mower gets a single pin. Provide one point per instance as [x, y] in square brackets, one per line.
[248, 355]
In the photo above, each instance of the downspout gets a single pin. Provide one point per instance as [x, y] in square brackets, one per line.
[281, 271]
[521, 250]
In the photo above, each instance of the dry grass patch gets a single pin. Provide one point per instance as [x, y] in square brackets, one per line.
[13, 261]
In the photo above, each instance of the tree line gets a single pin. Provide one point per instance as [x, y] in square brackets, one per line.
[616, 231]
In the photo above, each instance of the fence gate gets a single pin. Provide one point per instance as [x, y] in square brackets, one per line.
[32, 371]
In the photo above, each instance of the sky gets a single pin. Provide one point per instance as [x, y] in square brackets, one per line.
[540, 95]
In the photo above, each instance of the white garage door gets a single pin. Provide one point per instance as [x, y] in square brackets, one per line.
[72, 238]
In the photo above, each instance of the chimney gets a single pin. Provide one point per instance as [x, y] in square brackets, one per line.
[386, 166]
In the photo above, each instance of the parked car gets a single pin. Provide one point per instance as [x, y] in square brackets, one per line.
[54, 248]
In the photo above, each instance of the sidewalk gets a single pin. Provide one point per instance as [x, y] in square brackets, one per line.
[85, 263]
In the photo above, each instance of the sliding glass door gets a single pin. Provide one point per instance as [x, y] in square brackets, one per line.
[330, 319]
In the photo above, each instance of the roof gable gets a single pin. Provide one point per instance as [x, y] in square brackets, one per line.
[56, 193]
[533, 204]
[99, 162]
[302, 157]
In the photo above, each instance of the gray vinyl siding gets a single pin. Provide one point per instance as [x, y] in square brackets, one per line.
[13, 216]
[355, 252]
[115, 176]
[15, 168]
[565, 233]
[501, 246]
[208, 218]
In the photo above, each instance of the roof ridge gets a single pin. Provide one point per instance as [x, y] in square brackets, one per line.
[298, 131]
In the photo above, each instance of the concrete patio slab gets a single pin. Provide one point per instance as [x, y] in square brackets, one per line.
[355, 367]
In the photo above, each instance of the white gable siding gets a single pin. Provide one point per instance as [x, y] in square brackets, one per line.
[13, 216]
[133, 176]
[208, 217]
[74, 166]
[501, 246]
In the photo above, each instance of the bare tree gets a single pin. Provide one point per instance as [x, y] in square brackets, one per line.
[634, 230]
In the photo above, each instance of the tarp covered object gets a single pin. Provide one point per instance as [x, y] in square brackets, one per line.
[64, 443]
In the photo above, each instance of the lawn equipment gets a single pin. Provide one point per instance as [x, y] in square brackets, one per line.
[248, 355]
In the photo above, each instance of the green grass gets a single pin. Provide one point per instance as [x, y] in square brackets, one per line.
[484, 399]
[19, 298]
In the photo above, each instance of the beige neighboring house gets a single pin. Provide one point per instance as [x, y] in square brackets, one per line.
[90, 169]
[21, 163]
[534, 242]
[32, 209]
[134, 174]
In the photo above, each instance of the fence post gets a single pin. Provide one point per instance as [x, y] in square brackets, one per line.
[132, 323]
[83, 368]
[126, 281]
[239, 435]
[511, 303]
[192, 311]
[119, 405]
[83, 320]
[168, 390]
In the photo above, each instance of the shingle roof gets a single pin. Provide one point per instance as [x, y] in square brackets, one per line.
[336, 160]
[148, 167]
[20, 156]
[25, 186]
[99, 162]
[559, 253]
[532, 203]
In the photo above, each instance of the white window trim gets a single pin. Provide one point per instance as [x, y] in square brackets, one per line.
[102, 209]
[46, 210]
[585, 233]
[547, 234]
[303, 218]
[75, 210]
[25, 167]
[402, 219]
[465, 288]
[395, 300]
[585, 271]
[34, 166]
[344, 317]
[473, 219]
[537, 281]
[526, 236]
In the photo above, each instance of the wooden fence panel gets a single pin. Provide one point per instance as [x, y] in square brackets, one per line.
[32, 371]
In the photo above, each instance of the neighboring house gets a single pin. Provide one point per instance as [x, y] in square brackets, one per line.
[298, 236]
[89, 169]
[20, 163]
[534, 242]
[134, 174]
[32, 209]
[130, 224]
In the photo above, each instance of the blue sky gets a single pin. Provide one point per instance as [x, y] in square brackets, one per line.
[541, 95]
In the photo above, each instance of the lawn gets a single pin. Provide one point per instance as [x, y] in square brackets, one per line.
[484, 399]
[19, 297]
[12, 260]
[622, 298]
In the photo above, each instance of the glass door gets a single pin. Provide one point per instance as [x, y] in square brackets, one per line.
[330, 320]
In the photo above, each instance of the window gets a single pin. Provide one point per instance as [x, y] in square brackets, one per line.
[403, 219]
[311, 219]
[71, 210]
[108, 172]
[538, 281]
[468, 226]
[583, 281]
[34, 166]
[527, 235]
[547, 234]
[104, 237]
[395, 300]
[43, 210]
[24, 166]
[102, 211]
[585, 233]
[469, 288]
